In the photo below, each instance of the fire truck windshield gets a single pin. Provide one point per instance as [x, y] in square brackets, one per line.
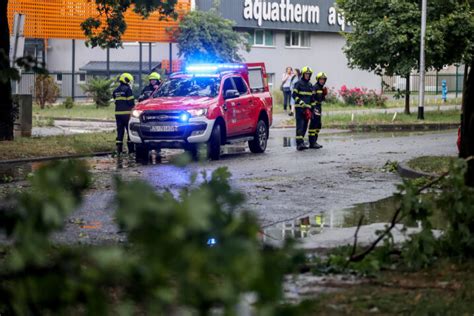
[189, 87]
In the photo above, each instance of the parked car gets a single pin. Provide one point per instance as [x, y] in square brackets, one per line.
[212, 104]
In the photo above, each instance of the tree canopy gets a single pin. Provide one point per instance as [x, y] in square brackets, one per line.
[207, 37]
[386, 36]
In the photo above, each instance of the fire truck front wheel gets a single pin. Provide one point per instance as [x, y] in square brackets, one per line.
[214, 143]
[259, 143]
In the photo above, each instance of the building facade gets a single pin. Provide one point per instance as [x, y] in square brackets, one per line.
[294, 33]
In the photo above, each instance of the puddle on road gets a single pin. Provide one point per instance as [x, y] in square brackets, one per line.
[373, 212]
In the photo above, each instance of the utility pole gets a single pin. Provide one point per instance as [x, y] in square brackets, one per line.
[421, 105]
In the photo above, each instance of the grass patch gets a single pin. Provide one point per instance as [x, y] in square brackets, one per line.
[83, 111]
[57, 145]
[43, 122]
[338, 120]
[445, 289]
[432, 164]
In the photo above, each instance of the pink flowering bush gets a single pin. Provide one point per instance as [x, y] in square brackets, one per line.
[362, 97]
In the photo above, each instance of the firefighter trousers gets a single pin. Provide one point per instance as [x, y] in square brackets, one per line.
[315, 124]
[122, 127]
[301, 125]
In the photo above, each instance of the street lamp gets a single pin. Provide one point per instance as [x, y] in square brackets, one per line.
[421, 104]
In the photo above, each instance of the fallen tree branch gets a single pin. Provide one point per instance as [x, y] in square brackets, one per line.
[395, 220]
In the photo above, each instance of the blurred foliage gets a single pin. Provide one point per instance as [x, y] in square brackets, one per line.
[205, 36]
[107, 29]
[100, 89]
[165, 267]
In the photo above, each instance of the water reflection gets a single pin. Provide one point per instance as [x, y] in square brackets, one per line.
[380, 211]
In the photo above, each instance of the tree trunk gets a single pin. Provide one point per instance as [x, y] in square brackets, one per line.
[467, 125]
[6, 104]
[407, 95]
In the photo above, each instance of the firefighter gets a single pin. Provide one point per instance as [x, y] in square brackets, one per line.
[303, 96]
[155, 82]
[124, 102]
[319, 95]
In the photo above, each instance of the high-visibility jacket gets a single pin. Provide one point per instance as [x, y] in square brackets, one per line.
[124, 99]
[303, 94]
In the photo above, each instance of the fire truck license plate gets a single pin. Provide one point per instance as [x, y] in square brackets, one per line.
[164, 128]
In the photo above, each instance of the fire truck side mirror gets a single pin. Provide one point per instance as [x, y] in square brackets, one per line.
[231, 94]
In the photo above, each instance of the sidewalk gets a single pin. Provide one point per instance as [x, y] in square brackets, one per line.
[280, 120]
[70, 127]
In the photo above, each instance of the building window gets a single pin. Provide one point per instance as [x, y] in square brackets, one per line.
[59, 78]
[297, 39]
[82, 78]
[261, 38]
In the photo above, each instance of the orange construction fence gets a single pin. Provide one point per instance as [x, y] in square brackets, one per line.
[62, 19]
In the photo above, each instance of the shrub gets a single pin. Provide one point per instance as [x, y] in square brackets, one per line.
[46, 90]
[100, 89]
[68, 103]
[362, 97]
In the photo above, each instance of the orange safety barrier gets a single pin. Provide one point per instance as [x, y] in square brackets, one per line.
[62, 19]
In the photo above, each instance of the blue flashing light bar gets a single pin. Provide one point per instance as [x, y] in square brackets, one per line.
[203, 68]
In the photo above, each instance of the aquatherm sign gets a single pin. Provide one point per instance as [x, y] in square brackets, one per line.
[298, 15]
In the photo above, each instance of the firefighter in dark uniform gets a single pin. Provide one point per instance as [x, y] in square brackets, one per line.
[319, 96]
[304, 100]
[124, 102]
[155, 82]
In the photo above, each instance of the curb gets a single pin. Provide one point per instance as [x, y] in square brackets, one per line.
[388, 127]
[75, 119]
[406, 172]
[26, 160]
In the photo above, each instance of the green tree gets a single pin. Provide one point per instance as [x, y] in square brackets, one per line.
[100, 89]
[386, 35]
[207, 37]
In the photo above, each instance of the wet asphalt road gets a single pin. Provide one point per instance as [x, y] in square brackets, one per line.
[280, 185]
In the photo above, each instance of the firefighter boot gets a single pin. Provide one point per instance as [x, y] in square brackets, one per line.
[119, 147]
[301, 146]
[131, 147]
[316, 146]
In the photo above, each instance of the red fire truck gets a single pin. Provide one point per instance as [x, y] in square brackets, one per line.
[211, 104]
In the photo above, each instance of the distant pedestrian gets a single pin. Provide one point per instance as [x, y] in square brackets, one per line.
[286, 87]
[124, 102]
[296, 77]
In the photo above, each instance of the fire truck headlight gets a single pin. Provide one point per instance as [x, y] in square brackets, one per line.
[136, 113]
[197, 112]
